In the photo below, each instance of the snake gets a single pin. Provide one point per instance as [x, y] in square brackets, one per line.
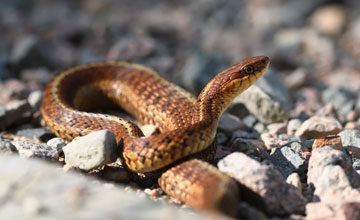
[187, 124]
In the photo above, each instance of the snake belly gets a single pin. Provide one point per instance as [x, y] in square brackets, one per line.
[187, 124]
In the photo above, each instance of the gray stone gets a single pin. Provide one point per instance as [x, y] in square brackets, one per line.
[42, 134]
[15, 112]
[57, 143]
[342, 100]
[29, 52]
[293, 125]
[199, 69]
[6, 147]
[249, 121]
[266, 182]
[356, 165]
[229, 123]
[263, 105]
[330, 171]
[251, 147]
[39, 190]
[35, 99]
[319, 127]
[350, 138]
[288, 161]
[91, 151]
[30, 149]
[247, 212]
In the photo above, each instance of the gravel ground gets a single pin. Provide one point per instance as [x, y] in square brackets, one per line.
[292, 140]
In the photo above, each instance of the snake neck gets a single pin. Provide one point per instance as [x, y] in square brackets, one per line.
[211, 102]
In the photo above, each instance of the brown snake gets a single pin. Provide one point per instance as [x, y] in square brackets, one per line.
[187, 125]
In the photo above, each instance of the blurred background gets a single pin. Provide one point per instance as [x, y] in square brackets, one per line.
[312, 44]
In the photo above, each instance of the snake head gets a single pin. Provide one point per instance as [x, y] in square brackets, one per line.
[248, 69]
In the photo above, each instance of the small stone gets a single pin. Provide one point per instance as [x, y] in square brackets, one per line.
[351, 141]
[306, 155]
[341, 99]
[262, 105]
[294, 179]
[266, 181]
[57, 143]
[116, 174]
[229, 123]
[35, 99]
[42, 134]
[259, 127]
[351, 115]
[332, 141]
[221, 138]
[356, 165]
[149, 130]
[352, 125]
[246, 211]
[332, 175]
[293, 125]
[288, 161]
[13, 89]
[14, 112]
[319, 127]
[252, 147]
[132, 48]
[276, 129]
[329, 19]
[298, 147]
[6, 147]
[29, 52]
[200, 68]
[249, 120]
[296, 79]
[91, 151]
[271, 141]
[30, 149]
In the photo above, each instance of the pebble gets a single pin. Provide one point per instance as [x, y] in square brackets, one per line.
[229, 123]
[249, 120]
[42, 134]
[91, 151]
[149, 130]
[297, 78]
[31, 149]
[277, 129]
[294, 179]
[288, 161]
[319, 127]
[350, 139]
[6, 147]
[266, 181]
[329, 19]
[298, 147]
[270, 141]
[57, 143]
[117, 174]
[13, 89]
[29, 52]
[332, 141]
[35, 99]
[293, 125]
[262, 105]
[348, 210]
[341, 99]
[252, 147]
[14, 112]
[200, 68]
[43, 192]
[331, 173]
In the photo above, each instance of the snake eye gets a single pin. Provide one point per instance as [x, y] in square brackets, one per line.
[248, 69]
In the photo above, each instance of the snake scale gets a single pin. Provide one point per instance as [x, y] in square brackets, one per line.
[187, 124]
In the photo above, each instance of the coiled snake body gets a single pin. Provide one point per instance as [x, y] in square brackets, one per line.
[187, 125]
